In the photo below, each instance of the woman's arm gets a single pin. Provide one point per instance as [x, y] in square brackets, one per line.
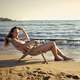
[26, 35]
[20, 45]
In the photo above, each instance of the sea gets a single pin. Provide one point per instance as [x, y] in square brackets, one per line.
[66, 34]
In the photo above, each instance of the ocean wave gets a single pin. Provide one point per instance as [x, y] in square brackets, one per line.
[61, 41]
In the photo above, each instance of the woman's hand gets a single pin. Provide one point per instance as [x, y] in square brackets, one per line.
[26, 34]
[21, 29]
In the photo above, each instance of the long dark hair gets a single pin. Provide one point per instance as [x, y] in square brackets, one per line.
[6, 42]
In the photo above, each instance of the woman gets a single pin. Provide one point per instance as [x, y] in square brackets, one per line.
[28, 47]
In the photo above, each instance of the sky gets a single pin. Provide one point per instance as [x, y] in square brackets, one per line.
[40, 9]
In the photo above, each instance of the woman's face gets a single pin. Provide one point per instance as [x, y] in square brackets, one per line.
[15, 33]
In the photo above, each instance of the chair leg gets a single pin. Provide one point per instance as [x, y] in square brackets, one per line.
[44, 59]
[22, 57]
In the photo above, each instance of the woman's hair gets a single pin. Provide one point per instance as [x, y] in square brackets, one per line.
[6, 42]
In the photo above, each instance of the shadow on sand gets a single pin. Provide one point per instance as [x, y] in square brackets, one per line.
[13, 62]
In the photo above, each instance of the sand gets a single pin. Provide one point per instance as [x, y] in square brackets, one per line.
[34, 69]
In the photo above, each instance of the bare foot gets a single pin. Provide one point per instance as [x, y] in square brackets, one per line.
[67, 58]
[58, 59]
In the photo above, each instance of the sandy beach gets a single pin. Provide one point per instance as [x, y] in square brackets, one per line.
[34, 69]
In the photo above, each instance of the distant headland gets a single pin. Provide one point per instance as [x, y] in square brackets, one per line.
[5, 19]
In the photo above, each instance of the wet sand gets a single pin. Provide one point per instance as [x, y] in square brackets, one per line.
[35, 69]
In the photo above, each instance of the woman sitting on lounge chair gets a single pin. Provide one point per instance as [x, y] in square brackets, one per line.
[28, 47]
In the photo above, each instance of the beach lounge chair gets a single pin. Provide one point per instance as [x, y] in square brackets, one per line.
[28, 53]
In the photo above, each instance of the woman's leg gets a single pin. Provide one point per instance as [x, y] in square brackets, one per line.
[46, 47]
[60, 53]
[55, 52]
